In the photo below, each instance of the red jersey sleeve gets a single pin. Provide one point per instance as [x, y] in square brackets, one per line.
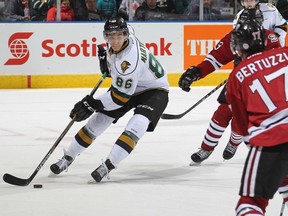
[272, 40]
[222, 54]
[219, 56]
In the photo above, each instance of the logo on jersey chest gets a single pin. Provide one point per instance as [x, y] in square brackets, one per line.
[125, 65]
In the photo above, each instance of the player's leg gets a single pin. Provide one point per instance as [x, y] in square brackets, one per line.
[264, 171]
[123, 146]
[95, 126]
[149, 107]
[219, 122]
[283, 190]
[234, 141]
[251, 206]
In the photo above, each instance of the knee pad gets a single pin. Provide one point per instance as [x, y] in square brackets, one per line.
[137, 125]
[97, 124]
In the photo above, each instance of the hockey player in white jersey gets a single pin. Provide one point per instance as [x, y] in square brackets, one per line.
[139, 82]
[273, 20]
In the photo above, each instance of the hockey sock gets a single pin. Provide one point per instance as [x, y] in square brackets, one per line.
[283, 190]
[251, 206]
[74, 149]
[235, 139]
[127, 141]
[220, 120]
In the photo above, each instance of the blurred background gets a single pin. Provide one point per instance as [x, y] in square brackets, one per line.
[99, 10]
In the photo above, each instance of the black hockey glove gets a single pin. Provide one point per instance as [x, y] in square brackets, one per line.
[103, 60]
[188, 77]
[84, 108]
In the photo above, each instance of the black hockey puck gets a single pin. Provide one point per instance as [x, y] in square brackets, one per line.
[37, 185]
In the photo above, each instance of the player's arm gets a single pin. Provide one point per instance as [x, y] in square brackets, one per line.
[272, 40]
[219, 56]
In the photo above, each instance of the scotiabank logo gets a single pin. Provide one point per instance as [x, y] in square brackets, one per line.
[88, 48]
[18, 48]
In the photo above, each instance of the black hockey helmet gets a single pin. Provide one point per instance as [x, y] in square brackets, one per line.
[251, 14]
[248, 38]
[115, 24]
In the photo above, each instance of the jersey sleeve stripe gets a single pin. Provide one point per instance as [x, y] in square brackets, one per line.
[119, 97]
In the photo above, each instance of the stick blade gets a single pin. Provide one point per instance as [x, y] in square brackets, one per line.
[10, 179]
[170, 116]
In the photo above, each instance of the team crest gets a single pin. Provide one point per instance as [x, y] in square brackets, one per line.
[273, 37]
[124, 66]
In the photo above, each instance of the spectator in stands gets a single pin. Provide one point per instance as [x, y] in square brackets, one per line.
[124, 8]
[2, 7]
[209, 12]
[118, 3]
[167, 6]
[229, 3]
[107, 8]
[181, 5]
[14, 10]
[80, 9]
[149, 10]
[67, 13]
[39, 9]
[93, 14]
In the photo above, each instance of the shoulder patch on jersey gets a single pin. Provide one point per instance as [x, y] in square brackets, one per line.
[125, 65]
[273, 38]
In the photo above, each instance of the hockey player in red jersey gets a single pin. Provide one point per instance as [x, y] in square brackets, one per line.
[258, 93]
[218, 57]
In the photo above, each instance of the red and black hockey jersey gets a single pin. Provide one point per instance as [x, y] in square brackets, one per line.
[257, 90]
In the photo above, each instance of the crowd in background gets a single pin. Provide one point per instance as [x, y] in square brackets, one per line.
[101, 10]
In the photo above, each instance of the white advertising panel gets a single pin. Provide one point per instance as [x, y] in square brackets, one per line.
[71, 48]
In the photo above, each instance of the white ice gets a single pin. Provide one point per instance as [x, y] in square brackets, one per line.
[155, 180]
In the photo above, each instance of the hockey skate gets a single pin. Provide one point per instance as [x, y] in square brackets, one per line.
[200, 156]
[229, 151]
[61, 165]
[102, 171]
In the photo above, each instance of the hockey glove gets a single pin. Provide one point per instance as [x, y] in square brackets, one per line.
[103, 60]
[85, 108]
[188, 77]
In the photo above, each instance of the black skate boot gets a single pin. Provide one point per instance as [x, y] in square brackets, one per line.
[229, 151]
[61, 165]
[102, 171]
[200, 156]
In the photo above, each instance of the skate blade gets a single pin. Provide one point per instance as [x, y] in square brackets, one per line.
[52, 175]
[192, 163]
[92, 181]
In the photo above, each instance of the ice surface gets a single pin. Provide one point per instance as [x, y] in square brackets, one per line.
[155, 180]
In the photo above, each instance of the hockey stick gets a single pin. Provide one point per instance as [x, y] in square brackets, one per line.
[282, 208]
[11, 179]
[178, 116]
